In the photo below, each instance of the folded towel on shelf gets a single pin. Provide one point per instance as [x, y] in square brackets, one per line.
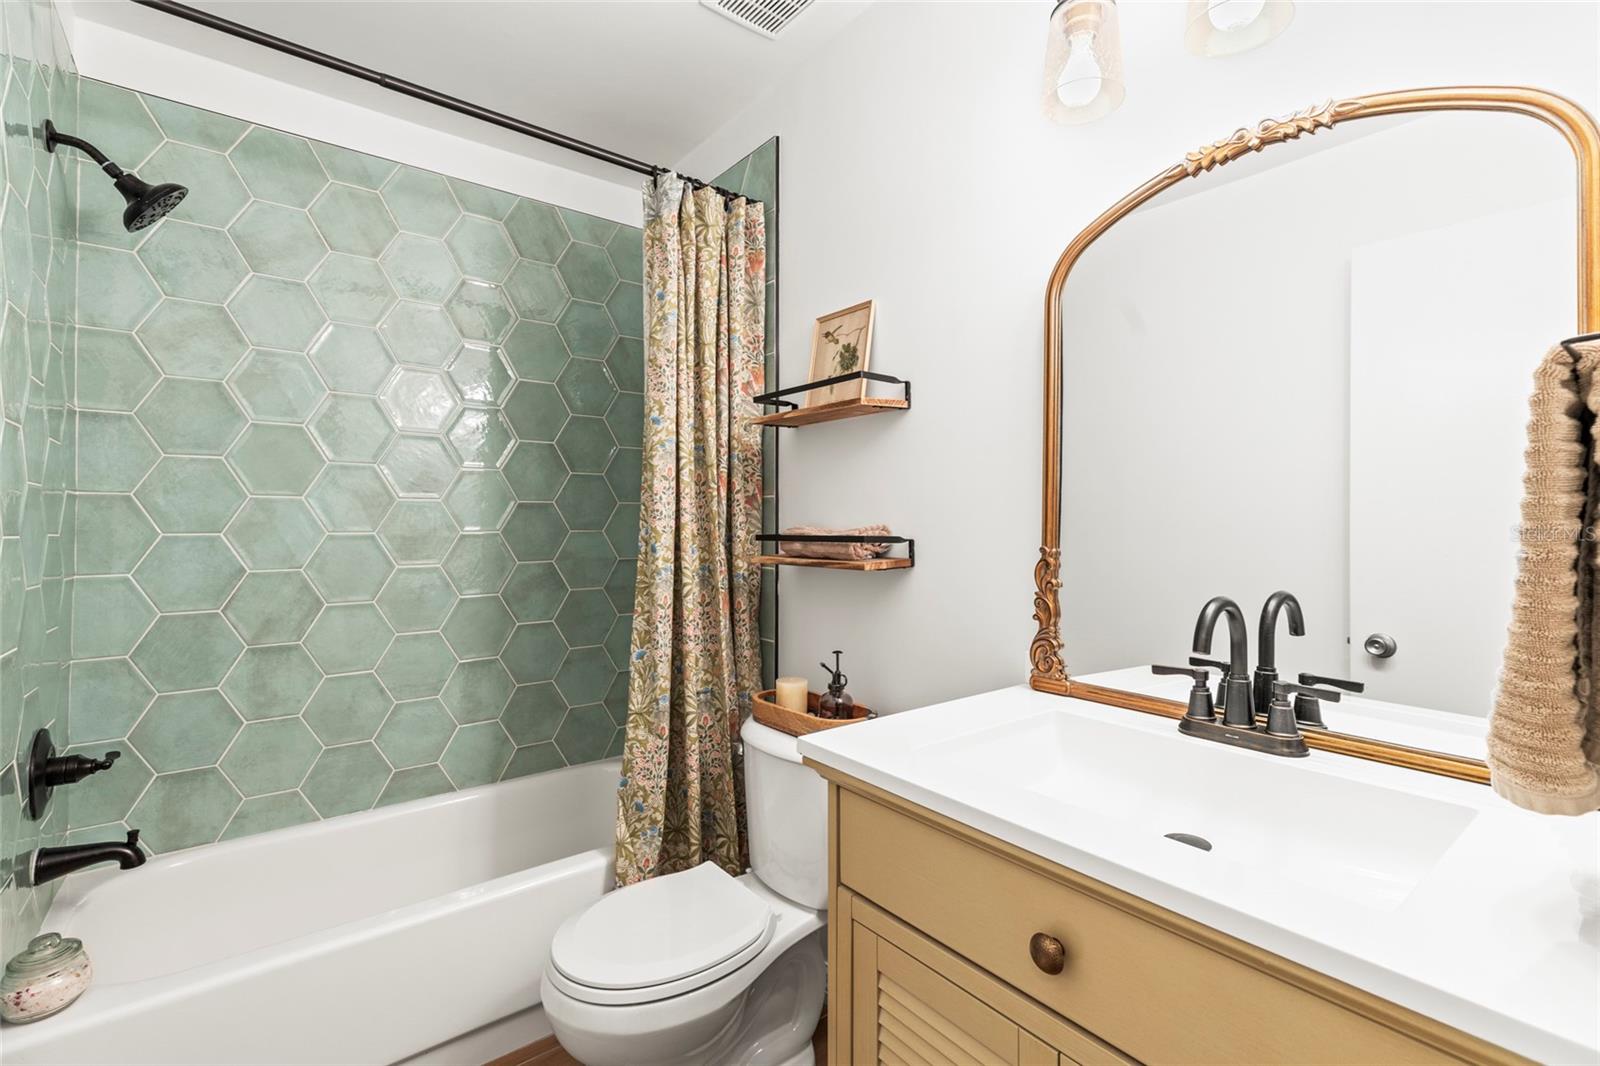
[814, 550]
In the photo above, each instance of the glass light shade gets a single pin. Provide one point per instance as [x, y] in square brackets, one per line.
[1226, 27]
[1083, 62]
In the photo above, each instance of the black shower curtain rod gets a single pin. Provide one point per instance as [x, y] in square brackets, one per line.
[417, 92]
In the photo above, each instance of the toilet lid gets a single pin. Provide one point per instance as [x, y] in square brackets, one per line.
[663, 930]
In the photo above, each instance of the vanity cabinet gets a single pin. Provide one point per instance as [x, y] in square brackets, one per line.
[950, 946]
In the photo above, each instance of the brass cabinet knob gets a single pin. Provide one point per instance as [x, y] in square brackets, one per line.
[1048, 953]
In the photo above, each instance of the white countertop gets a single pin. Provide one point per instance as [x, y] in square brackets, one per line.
[1494, 937]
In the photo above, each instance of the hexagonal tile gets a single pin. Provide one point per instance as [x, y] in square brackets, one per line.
[534, 592]
[263, 814]
[586, 386]
[277, 386]
[193, 340]
[194, 262]
[351, 428]
[587, 272]
[476, 755]
[480, 311]
[622, 530]
[348, 637]
[350, 498]
[534, 531]
[626, 363]
[479, 564]
[585, 735]
[349, 568]
[417, 531]
[533, 759]
[478, 690]
[478, 626]
[345, 779]
[353, 168]
[124, 292]
[184, 810]
[216, 192]
[271, 756]
[536, 291]
[353, 221]
[275, 313]
[482, 200]
[123, 126]
[534, 713]
[416, 599]
[205, 129]
[626, 249]
[351, 359]
[108, 614]
[536, 351]
[480, 500]
[347, 708]
[278, 167]
[589, 228]
[421, 202]
[624, 473]
[272, 682]
[616, 703]
[585, 559]
[585, 676]
[107, 696]
[416, 733]
[420, 333]
[622, 585]
[481, 437]
[534, 653]
[482, 248]
[585, 445]
[114, 373]
[585, 618]
[585, 501]
[105, 798]
[418, 782]
[536, 411]
[277, 240]
[417, 466]
[112, 534]
[274, 534]
[351, 289]
[191, 572]
[186, 651]
[587, 329]
[416, 665]
[274, 460]
[619, 642]
[191, 417]
[535, 471]
[419, 400]
[537, 231]
[626, 306]
[480, 374]
[421, 268]
[272, 607]
[187, 495]
[626, 419]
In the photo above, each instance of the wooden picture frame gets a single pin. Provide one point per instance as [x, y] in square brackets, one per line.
[841, 343]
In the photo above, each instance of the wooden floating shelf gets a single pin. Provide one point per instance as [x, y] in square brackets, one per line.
[835, 564]
[832, 412]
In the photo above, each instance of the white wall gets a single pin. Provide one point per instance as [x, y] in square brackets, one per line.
[917, 170]
[257, 85]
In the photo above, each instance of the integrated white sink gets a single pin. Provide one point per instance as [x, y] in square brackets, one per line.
[1429, 892]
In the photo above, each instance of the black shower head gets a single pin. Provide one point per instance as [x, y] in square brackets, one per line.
[147, 204]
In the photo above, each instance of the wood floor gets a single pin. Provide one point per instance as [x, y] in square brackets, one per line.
[547, 1052]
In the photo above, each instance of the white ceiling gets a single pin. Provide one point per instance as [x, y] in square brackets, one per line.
[648, 78]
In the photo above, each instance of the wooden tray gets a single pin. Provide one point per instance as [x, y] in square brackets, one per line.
[768, 713]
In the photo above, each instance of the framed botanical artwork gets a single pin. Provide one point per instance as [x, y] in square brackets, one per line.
[841, 343]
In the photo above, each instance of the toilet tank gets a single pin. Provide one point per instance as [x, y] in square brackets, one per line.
[786, 803]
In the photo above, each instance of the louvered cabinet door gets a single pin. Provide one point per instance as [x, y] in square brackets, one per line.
[905, 1014]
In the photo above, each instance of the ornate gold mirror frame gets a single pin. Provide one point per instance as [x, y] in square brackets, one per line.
[1049, 672]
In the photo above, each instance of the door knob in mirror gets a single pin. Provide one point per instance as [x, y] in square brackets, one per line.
[1380, 645]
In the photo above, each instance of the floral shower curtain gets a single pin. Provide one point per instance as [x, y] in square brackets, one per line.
[695, 657]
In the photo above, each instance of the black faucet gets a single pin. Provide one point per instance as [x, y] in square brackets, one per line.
[1238, 706]
[1266, 642]
[51, 863]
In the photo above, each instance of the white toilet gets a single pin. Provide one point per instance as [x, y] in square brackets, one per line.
[700, 968]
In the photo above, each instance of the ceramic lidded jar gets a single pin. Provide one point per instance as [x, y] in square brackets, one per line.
[44, 978]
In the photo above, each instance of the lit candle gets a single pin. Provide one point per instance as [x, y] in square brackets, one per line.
[792, 694]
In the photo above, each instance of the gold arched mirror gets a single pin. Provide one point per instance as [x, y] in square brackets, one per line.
[1309, 372]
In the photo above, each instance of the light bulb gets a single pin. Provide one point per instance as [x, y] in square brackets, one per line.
[1081, 76]
[1230, 15]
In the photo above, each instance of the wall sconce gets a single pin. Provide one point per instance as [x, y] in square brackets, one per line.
[1083, 62]
[1227, 27]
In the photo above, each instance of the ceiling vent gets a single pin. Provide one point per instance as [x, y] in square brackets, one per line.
[766, 17]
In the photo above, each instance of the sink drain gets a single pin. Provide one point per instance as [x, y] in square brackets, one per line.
[1190, 839]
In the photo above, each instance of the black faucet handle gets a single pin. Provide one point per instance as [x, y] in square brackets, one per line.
[1195, 660]
[1281, 690]
[1348, 686]
[1200, 676]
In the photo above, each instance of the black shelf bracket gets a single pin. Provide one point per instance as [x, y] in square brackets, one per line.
[775, 398]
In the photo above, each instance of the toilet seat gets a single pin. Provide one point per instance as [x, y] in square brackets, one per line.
[660, 938]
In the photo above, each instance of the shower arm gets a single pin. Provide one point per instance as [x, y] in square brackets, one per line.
[53, 137]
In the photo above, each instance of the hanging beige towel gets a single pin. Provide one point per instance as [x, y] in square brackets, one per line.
[834, 551]
[1544, 736]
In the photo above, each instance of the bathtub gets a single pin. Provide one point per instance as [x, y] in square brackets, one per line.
[369, 938]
